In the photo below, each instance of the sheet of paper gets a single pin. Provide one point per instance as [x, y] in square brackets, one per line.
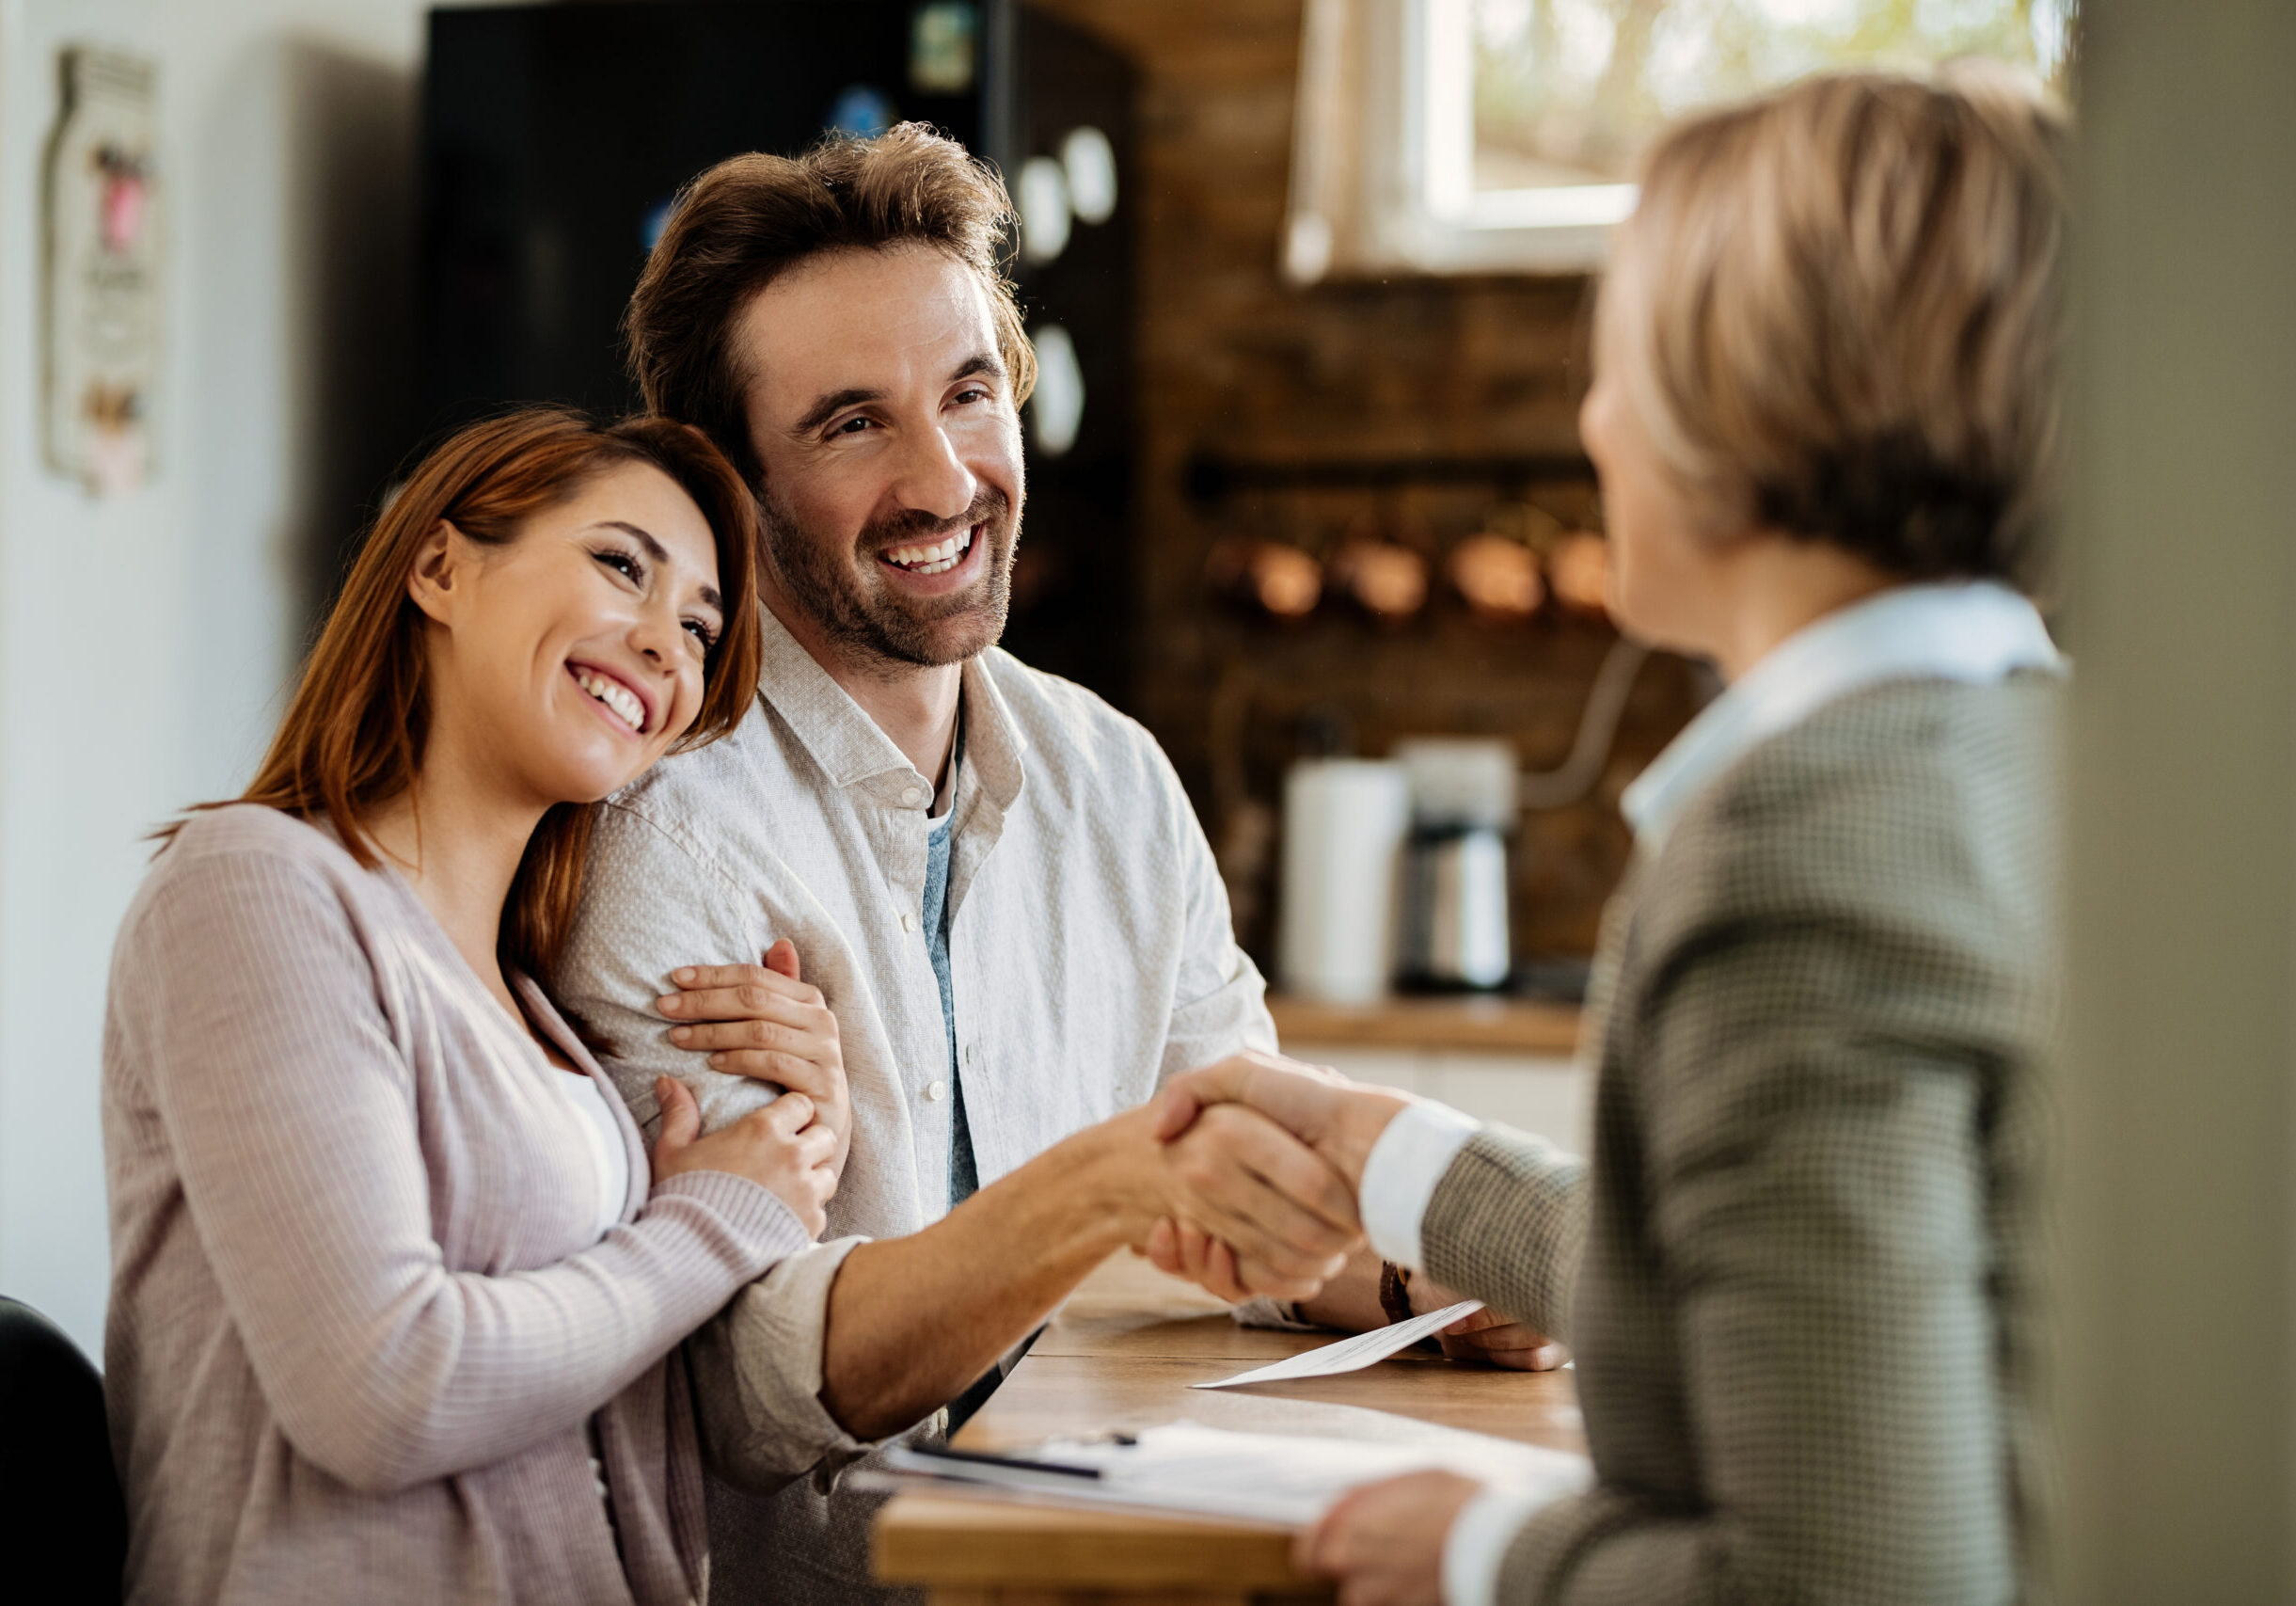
[1354, 1354]
[1262, 1477]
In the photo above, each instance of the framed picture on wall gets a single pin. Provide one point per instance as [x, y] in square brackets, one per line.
[101, 327]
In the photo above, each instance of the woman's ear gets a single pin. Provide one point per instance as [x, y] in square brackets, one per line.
[437, 570]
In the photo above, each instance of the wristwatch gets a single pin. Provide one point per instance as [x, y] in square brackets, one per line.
[1395, 1291]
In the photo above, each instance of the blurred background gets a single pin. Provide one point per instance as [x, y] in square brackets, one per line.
[1309, 282]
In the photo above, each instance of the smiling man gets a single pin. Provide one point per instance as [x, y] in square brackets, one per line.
[993, 878]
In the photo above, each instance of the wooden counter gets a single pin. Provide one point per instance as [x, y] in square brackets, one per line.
[1121, 1354]
[1480, 1025]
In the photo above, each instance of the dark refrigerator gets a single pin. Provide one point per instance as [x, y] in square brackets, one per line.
[555, 136]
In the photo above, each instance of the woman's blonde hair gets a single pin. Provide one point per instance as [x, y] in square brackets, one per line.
[1837, 310]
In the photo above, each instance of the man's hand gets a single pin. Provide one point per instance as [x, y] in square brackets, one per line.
[1384, 1542]
[765, 1021]
[1284, 1219]
[1338, 1118]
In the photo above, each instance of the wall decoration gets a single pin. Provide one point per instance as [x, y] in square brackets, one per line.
[104, 277]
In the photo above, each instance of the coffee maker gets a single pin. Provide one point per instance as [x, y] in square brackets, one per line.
[1452, 924]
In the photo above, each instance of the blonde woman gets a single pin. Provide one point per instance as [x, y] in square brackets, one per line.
[1797, 1270]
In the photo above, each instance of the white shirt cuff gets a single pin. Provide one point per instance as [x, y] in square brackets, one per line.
[1476, 1547]
[1401, 1174]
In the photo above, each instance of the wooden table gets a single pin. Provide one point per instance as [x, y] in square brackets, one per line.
[1121, 1354]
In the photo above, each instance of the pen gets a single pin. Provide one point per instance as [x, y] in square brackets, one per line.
[987, 1459]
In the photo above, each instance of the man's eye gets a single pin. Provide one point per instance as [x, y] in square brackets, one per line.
[854, 426]
[974, 394]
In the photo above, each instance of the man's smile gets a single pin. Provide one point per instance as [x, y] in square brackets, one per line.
[936, 557]
[941, 566]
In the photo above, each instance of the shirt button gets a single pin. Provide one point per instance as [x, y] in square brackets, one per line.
[911, 796]
[936, 1091]
[909, 921]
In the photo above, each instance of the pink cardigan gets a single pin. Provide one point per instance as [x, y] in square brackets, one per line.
[359, 1327]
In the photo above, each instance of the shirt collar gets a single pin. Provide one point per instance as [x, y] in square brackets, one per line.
[1973, 632]
[852, 748]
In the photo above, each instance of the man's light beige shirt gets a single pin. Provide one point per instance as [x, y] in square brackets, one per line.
[1089, 948]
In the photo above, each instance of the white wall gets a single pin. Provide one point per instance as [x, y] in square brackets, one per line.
[2178, 1185]
[144, 641]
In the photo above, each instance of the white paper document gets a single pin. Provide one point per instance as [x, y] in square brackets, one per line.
[1274, 1478]
[1354, 1354]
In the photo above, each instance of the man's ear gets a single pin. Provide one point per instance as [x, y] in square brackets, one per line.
[437, 570]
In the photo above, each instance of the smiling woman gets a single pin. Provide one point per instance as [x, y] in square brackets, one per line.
[356, 734]
[433, 1296]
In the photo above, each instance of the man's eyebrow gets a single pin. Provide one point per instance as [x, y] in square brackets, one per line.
[979, 363]
[835, 401]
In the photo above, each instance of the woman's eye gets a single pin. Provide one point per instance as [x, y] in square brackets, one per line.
[629, 568]
[702, 633]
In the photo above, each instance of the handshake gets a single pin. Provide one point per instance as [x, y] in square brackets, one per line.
[1264, 1158]
[1264, 1161]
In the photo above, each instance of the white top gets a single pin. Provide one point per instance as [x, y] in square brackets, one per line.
[1977, 632]
[607, 1153]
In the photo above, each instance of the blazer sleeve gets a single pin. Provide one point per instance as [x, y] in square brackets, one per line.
[290, 1112]
[1817, 1200]
[1507, 1224]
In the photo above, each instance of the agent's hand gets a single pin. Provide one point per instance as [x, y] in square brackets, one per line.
[1338, 1118]
[764, 1021]
[1384, 1542]
[1492, 1339]
[781, 1148]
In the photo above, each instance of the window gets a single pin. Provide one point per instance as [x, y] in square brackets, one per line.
[1492, 136]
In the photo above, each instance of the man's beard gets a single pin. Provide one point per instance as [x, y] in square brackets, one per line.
[877, 623]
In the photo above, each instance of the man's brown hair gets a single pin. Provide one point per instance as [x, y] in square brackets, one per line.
[751, 218]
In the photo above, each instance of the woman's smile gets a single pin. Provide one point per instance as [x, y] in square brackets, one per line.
[614, 697]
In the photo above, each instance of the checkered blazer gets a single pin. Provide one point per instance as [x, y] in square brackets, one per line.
[1798, 1269]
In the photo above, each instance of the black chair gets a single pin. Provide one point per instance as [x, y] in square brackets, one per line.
[63, 1528]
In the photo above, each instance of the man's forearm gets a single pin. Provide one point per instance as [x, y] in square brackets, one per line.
[913, 1321]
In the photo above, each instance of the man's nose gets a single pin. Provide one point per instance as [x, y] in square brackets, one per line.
[933, 478]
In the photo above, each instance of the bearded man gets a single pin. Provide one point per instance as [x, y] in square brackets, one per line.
[993, 878]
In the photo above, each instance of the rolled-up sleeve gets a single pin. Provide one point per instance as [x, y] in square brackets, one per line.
[758, 1373]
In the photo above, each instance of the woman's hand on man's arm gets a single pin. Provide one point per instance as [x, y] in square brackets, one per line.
[781, 1148]
[767, 1023]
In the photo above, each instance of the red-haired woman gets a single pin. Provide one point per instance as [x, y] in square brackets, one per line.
[396, 1295]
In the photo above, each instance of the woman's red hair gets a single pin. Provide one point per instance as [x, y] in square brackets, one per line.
[353, 737]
